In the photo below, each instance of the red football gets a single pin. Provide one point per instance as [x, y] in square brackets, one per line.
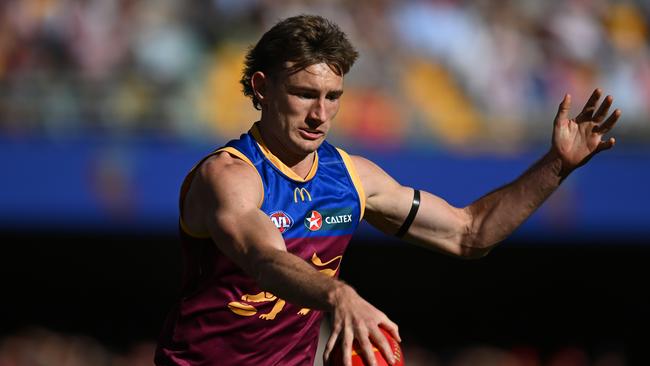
[357, 360]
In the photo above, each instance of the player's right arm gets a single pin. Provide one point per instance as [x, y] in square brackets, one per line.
[223, 199]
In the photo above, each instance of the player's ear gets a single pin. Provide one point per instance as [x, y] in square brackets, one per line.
[259, 83]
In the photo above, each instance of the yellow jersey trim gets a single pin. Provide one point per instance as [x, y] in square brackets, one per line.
[231, 151]
[355, 180]
[278, 163]
[190, 233]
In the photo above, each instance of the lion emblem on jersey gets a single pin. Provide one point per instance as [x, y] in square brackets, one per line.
[246, 308]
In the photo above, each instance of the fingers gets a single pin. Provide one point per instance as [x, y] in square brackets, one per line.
[357, 329]
[368, 340]
[331, 342]
[383, 345]
[604, 108]
[348, 339]
[367, 351]
[606, 145]
[392, 328]
[590, 107]
[609, 123]
[563, 110]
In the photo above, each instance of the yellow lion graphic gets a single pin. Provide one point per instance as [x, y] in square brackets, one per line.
[245, 309]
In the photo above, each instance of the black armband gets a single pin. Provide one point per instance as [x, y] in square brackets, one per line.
[411, 216]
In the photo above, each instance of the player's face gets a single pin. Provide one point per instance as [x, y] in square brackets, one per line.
[301, 107]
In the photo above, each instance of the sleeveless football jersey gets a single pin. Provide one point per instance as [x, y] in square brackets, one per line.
[224, 317]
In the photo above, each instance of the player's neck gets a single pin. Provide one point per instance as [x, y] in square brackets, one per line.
[301, 164]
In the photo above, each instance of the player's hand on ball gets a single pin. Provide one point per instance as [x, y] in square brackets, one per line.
[576, 140]
[354, 319]
[336, 358]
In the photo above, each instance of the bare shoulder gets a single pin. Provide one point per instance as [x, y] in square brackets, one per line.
[362, 164]
[373, 178]
[221, 183]
[223, 175]
[222, 166]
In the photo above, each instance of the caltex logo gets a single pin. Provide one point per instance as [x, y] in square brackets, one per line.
[314, 221]
[281, 220]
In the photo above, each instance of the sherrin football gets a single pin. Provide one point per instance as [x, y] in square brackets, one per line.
[357, 359]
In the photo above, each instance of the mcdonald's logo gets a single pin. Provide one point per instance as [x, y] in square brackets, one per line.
[303, 192]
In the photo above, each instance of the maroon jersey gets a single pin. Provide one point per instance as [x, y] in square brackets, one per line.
[223, 316]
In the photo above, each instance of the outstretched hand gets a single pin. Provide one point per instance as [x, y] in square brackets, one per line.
[578, 139]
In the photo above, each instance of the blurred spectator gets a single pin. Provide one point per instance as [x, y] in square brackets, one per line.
[456, 73]
[46, 348]
[42, 347]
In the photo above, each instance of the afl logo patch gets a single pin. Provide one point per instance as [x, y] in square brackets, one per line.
[281, 220]
[314, 221]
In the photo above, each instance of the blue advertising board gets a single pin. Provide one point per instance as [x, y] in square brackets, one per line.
[131, 186]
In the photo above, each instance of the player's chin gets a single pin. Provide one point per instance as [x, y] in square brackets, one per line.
[310, 145]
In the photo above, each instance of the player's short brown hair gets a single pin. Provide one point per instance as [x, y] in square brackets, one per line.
[303, 40]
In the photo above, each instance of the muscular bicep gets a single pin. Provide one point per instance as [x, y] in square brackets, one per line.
[437, 225]
[229, 192]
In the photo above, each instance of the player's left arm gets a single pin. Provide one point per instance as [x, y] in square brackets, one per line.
[474, 230]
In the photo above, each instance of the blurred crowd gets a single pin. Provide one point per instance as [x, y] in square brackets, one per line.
[43, 347]
[441, 73]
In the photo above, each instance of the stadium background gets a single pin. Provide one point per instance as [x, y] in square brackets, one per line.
[104, 105]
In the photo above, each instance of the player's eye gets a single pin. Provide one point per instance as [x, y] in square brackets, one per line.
[334, 96]
[306, 95]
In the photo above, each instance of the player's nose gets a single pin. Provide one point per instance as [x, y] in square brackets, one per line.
[318, 111]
